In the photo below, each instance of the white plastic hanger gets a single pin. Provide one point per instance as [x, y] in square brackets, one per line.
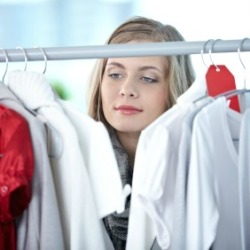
[25, 57]
[244, 98]
[198, 89]
[44, 57]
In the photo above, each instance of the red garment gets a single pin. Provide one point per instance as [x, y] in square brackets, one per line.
[16, 170]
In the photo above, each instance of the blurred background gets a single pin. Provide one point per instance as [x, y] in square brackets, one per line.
[56, 23]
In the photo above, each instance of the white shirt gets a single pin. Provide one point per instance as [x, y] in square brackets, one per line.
[182, 168]
[154, 152]
[100, 161]
[212, 189]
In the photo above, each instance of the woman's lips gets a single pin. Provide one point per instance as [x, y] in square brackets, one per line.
[128, 110]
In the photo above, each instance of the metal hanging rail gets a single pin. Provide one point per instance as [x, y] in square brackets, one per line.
[126, 50]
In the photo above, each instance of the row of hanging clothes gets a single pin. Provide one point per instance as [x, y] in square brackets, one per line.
[191, 172]
[57, 182]
[191, 175]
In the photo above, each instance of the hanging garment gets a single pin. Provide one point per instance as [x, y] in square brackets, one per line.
[182, 168]
[162, 199]
[16, 171]
[74, 190]
[39, 226]
[213, 217]
[109, 193]
[94, 141]
[157, 174]
[142, 232]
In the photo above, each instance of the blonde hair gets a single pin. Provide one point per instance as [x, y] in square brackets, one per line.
[181, 73]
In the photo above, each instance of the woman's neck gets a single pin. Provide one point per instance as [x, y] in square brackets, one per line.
[129, 141]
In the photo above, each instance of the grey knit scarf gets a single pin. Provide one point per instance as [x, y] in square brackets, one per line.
[117, 224]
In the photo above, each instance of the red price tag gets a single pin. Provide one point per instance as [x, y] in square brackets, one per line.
[220, 80]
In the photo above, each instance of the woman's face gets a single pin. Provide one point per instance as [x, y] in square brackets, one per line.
[134, 92]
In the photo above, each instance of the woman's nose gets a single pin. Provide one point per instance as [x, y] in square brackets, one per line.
[128, 89]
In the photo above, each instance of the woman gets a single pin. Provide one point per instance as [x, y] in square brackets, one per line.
[127, 94]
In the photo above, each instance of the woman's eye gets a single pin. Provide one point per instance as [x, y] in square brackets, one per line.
[115, 75]
[148, 79]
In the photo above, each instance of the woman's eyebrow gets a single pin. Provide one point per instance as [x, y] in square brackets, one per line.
[119, 65]
[150, 67]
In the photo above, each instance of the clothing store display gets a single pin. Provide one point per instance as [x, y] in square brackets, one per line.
[67, 183]
[166, 189]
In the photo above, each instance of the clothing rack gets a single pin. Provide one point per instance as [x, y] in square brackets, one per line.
[126, 50]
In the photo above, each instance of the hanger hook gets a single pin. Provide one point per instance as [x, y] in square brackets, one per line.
[6, 63]
[210, 54]
[243, 65]
[202, 52]
[25, 57]
[44, 56]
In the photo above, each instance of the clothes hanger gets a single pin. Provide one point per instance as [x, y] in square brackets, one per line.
[52, 135]
[234, 92]
[24, 70]
[244, 89]
[44, 57]
[25, 57]
[198, 90]
[241, 93]
[202, 52]
[6, 63]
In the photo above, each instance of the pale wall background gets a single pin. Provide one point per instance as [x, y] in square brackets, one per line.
[53, 23]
